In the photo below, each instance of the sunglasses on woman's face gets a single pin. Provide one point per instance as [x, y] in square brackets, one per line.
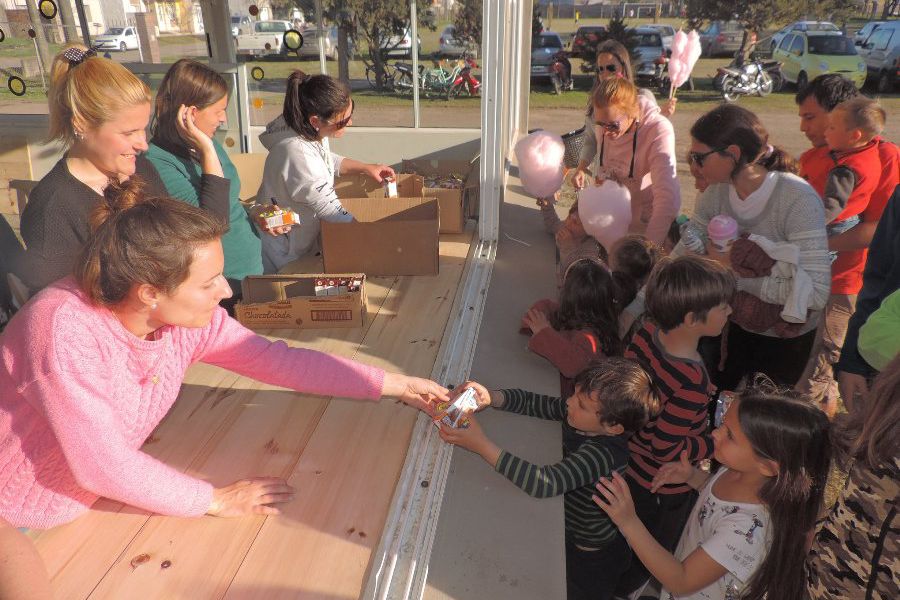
[612, 126]
[610, 67]
[343, 122]
[698, 157]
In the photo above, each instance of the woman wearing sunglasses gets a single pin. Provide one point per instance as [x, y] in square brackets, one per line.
[190, 106]
[300, 170]
[634, 145]
[754, 183]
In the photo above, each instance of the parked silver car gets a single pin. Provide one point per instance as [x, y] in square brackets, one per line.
[648, 52]
[721, 37]
[881, 53]
[449, 44]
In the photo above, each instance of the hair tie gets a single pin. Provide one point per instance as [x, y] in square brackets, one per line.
[769, 151]
[76, 56]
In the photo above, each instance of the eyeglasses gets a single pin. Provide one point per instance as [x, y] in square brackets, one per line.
[698, 157]
[612, 68]
[343, 122]
[612, 126]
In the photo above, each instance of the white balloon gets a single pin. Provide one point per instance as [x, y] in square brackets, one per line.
[605, 211]
[540, 157]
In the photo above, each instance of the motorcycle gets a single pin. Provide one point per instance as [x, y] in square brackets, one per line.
[660, 77]
[561, 73]
[753, 77]
[465, 81]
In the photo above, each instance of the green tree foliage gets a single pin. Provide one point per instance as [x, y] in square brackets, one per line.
[467, 22]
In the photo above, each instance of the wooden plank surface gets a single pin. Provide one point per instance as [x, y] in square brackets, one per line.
[343, 457]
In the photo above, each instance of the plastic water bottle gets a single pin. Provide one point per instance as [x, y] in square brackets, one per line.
[692, 239]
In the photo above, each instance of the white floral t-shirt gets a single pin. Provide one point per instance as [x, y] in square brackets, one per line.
[733, 534]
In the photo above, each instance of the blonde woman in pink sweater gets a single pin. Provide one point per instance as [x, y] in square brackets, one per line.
[94, 362]
[636, 147]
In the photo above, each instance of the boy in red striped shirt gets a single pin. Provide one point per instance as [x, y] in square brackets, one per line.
[687, 299]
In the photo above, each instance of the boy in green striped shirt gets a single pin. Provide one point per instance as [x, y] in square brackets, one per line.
[612, 399]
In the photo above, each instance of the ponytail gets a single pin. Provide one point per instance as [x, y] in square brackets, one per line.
[729, 124]
[138, 239]
[87, 90]
[312, 95]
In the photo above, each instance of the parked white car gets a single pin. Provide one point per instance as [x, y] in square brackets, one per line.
[118, 38]
[399, 45]
[310, 46]
[240, 25]
[667, 32]
[449, 44]
[803, 27]
[264, 39]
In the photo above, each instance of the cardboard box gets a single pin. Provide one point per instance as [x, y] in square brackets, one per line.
[362, 186]
[290, 302]
[390, 236]
[454, 203]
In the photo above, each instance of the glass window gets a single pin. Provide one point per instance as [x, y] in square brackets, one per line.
[831, 45]
[797, 45]
[648, 39]
[882, 39]
[786, 43]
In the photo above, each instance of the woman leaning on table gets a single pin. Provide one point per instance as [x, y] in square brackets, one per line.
[94, 362]
[300, 170]
[99, 112]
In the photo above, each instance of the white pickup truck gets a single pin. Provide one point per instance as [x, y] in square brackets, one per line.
[265, 38]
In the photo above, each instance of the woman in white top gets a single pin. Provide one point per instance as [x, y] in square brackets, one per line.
[300, 170]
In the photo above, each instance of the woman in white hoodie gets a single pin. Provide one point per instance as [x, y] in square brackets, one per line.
[636, 147]
[299, 172]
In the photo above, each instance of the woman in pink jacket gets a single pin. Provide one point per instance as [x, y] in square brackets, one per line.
[636, 147]
[94, 362]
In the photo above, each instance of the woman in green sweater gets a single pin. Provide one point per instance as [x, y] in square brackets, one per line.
[190, 106]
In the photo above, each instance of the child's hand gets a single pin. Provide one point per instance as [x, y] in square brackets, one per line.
[536, 320]
[471, 438]
[482, 395]
[673, 472]
[618, 503]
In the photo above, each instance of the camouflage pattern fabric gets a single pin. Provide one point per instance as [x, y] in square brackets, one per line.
[856, 552]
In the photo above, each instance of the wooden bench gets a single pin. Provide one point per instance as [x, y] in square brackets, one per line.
[23, 188]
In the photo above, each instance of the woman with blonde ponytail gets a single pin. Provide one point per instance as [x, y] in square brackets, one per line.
[91, 365]
[99, 112]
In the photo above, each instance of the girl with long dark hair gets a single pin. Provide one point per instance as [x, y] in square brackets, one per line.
[747, 533]
[583, 325]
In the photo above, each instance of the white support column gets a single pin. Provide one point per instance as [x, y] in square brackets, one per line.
[323, 33]
[414, 53]
[217, 24]
[493, 106]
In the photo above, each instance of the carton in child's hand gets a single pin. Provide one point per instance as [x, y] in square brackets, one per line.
[453, 414]
[390, 188]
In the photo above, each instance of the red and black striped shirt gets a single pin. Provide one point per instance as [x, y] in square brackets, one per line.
[683, 422]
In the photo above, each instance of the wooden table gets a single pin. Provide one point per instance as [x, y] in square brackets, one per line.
[342, 456]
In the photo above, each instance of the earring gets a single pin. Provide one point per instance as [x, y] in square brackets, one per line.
[153, 306]
[79, 136]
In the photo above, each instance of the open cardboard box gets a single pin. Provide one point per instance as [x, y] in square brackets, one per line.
[390, 236]
[290, 302]
[452, 201]
[362, 186]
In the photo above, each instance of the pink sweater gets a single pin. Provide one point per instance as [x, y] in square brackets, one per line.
[79, 394]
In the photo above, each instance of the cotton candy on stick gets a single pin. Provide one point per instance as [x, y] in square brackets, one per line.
[676, 59]
[540, 156]
[689, 58]
[605, 211]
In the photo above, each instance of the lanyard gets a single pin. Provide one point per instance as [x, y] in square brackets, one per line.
[633, 149]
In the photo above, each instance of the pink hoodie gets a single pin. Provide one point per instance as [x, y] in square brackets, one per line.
[655, 195]
[79, 394]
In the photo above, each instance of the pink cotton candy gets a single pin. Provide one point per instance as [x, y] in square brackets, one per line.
[605, 211]
[686, 51]
[540, 156]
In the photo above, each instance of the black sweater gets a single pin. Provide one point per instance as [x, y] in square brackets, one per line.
[55, 223]
[880, 279]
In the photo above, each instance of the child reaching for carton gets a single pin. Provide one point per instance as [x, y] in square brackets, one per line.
[613, 398]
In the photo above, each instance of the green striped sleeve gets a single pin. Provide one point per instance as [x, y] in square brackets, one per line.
[530, 404]
[580, 468]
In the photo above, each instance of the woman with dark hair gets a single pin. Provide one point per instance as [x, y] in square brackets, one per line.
[300, 170]
[93, 363]
[190, 106]
[754, 184]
